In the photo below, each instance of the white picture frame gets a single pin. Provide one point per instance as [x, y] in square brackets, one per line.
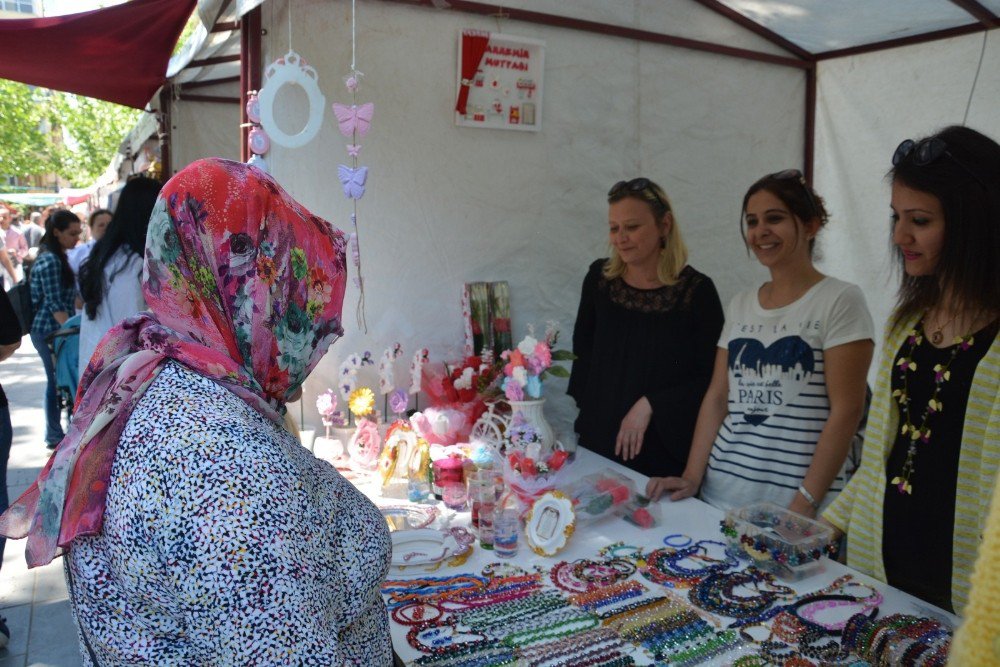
[550, 523]
[506, 93]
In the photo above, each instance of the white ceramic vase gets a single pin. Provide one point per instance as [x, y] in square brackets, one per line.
[532, 413]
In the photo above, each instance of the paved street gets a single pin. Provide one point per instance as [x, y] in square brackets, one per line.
[34, 602]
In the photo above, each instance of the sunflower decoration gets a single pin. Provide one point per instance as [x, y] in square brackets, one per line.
[361, 402]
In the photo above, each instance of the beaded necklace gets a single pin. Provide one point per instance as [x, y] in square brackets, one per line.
[556, 630]
[585, 575]
[922, 433]
[441, 638]
[663, 566]
[620, 550]
[717, 593]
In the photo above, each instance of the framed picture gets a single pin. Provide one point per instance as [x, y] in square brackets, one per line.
[499, 81]
[550, 523]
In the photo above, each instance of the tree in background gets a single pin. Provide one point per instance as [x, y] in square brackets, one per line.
[43, 131]
[24, 146]
[93, 131]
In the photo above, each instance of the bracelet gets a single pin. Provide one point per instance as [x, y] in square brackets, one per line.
[808, 496]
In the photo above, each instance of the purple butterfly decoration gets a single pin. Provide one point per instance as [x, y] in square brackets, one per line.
[353, 149]
[353, 180]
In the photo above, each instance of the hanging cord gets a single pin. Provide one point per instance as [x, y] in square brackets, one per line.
[289, 25]
[975, 79]
[500, 15]
[356, 250]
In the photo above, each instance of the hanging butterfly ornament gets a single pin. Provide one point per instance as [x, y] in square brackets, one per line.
[354, 121]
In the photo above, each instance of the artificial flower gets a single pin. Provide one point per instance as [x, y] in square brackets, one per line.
[361, 402]
[512, 390]
[544, 354]
[398, 401]
[326, 403]
[557, 459]
[527, 346]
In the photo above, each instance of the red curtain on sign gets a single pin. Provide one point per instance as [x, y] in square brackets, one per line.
[474, 43]
[119, 54]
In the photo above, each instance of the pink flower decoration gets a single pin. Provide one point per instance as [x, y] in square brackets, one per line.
[514, 392]
[543, 354]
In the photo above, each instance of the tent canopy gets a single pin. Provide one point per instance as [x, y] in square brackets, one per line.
[118, 53]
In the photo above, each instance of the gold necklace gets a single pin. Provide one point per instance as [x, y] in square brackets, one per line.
[937, 335]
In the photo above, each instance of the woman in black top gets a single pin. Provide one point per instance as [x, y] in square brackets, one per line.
[645, 337]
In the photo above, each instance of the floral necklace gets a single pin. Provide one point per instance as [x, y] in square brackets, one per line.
[921, 433]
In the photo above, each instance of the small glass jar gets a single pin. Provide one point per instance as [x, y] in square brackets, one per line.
[506, 524]
[454, 495]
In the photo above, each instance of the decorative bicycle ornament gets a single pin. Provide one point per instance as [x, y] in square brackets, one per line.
[490, 427]
[291, 69]
[550, 523]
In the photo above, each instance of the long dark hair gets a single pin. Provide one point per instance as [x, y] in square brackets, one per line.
[59, 220]
[965, 178]
[127, 230]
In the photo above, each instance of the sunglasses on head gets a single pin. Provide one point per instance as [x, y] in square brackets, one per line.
[798, 177]
[926, 151]
[637, 185]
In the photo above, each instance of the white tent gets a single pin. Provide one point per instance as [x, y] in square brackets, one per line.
[628, 90]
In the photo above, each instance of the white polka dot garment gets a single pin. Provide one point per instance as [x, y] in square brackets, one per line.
[227, 543]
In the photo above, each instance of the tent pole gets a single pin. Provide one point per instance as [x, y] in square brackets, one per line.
[250, 70]
[166, 95]
[810, 126]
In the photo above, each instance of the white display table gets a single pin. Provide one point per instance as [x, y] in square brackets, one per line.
[690, 517]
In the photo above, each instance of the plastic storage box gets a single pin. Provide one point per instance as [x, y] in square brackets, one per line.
[785, 543]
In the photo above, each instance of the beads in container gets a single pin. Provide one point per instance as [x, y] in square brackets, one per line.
[778, 540]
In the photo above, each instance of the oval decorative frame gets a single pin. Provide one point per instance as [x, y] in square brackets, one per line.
[550, 523]
[291, 69]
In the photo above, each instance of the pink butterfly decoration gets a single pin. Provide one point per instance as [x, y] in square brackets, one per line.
[351, 118]
[353, 180]
[353, 149]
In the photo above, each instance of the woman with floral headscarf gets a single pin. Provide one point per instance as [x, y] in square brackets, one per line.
[198, 530]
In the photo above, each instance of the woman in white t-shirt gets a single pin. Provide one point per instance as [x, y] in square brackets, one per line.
[111, 276]
[788, 387]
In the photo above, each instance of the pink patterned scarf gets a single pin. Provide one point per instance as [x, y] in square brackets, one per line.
[244, 287]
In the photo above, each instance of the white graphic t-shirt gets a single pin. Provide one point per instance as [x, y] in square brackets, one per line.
[778, 403]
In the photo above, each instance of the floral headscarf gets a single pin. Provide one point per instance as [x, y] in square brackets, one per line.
[245, 287]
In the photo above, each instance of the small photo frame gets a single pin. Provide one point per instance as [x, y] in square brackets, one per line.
[550, 523]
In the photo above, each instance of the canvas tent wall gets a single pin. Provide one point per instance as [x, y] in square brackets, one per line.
[446, 205]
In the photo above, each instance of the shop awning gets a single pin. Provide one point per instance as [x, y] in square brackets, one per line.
[32, 198]
[118, 53]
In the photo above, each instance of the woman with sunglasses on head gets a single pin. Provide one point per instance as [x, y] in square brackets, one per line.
[914, 511]
[643, 337]
[788, 389]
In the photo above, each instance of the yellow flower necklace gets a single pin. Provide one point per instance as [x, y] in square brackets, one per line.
[922, 433]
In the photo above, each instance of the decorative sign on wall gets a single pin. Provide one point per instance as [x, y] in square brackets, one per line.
[499, 81]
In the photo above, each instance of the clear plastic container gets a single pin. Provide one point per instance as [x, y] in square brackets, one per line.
[600, 494]
[785, 543]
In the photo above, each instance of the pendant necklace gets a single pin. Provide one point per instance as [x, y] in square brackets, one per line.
[938, 334]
